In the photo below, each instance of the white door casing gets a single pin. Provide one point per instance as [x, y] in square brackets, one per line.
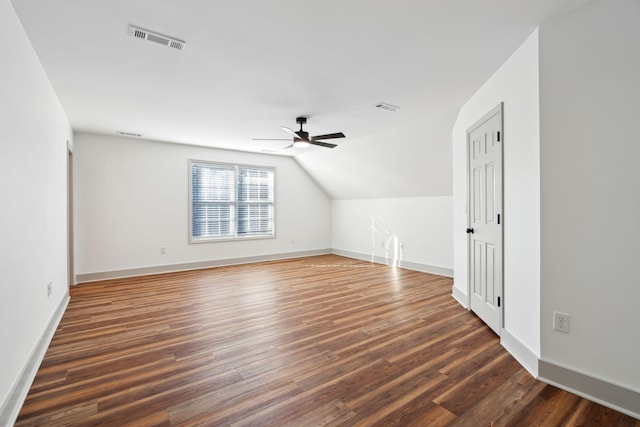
[70, 254]
[484, 154]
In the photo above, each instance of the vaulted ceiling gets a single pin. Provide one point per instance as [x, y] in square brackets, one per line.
[249, 67]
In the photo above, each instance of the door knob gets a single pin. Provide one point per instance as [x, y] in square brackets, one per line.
[469, 230]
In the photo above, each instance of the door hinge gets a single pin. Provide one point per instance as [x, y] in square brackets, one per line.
[498, 301]
[498, 136]
[498, 219]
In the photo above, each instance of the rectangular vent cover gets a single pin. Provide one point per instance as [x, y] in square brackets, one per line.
[138, 135]
[155, 37]
[387, 107]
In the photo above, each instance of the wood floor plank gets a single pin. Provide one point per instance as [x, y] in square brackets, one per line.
[321, 340]
[520, 388]
[331, 414]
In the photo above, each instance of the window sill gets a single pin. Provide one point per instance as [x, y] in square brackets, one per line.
[230, 239]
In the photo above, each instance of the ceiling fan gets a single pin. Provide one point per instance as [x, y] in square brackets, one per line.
[301, 139]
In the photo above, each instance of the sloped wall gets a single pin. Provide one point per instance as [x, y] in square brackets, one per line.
[409, 160]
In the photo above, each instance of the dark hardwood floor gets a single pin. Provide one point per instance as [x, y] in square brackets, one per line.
[313, 341]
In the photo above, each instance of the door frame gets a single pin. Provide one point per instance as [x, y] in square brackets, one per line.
[70, 247]
[498, 109]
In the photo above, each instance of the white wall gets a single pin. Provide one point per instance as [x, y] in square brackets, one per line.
[33, 219]
[132, 198]
[516, 85]
[421, 224]
[590, 189]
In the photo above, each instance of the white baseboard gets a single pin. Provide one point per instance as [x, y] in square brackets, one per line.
[11, 406]
[523, 354]
[606, 393]
[424, 268]
[614, 396]
[459, 296]
[171, 268]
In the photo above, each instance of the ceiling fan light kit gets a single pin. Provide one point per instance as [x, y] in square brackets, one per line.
[301, 144]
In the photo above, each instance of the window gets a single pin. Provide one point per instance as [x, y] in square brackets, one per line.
[230, 201]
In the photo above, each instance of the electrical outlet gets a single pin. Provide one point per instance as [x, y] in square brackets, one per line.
[163, 250]
[561, 322]
[49, 289]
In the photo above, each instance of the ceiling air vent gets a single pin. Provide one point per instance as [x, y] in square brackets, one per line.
[137, 135]
[385, 106]
[155, 37]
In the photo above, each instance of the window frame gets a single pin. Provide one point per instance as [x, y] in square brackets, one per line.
[235, 202]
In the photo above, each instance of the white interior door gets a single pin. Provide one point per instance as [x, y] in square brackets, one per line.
[485, 218]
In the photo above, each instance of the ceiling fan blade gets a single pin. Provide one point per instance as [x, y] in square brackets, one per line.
[328, 136]
[288, 146]
[322, 144]
[289, 131]
[302, 135]
[271, 139]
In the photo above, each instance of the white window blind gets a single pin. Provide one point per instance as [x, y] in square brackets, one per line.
[230, 201]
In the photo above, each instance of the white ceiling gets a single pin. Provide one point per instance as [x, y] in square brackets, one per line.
[252, 66]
